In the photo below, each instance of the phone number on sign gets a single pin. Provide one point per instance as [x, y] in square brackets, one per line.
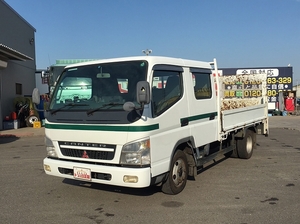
[280, 80]
[242, 93]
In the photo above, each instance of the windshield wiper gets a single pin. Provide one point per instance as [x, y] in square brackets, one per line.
[112, 104]
[68, 105]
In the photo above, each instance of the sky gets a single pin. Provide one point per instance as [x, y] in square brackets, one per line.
[238, 33]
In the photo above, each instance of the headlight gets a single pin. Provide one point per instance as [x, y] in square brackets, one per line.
[50, 148]
[136, 153]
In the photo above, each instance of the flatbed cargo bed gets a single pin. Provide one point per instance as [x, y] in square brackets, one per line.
[238, 118]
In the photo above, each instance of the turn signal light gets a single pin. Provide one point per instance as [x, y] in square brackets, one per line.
[130, 179]
[47, 168]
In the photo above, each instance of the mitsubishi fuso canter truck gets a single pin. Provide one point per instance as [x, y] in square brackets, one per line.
[148, 120]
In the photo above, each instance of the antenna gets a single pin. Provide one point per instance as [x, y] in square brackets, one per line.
[49, 59]
[147, 51]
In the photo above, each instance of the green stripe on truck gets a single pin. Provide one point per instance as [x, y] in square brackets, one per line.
[102, 127]
[200, 116]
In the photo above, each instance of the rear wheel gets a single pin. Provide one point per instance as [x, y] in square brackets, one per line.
[178, 174]
[245, 145]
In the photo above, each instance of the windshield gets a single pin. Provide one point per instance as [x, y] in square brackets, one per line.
[98, 87]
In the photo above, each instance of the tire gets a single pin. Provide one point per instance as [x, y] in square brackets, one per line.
[245, 145]
[178, 174]
[30, 120]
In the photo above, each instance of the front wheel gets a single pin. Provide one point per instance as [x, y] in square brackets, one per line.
[245, 145]
[178, 174]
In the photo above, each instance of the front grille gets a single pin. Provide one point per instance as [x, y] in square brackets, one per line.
[87, 150]
[88, 154]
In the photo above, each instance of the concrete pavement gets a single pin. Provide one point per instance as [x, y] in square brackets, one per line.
[23, 132]
[286, 122]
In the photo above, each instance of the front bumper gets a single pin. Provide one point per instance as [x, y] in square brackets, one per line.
[110, 175]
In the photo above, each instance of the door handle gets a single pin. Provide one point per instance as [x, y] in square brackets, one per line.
[212, 117]
[184, 122]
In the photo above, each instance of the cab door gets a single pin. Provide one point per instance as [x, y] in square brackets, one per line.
[203, 117]
[169, 105]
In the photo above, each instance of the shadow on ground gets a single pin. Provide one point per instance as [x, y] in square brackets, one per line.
[123, 190]
[4, 139]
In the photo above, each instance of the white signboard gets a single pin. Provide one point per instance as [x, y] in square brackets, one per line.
[271, 72]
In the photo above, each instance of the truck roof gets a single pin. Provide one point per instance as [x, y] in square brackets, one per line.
[151, 60]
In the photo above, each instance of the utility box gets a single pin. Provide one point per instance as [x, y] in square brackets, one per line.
[8, 125]
[11, 124]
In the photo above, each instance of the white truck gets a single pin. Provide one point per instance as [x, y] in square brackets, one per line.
[171, 117]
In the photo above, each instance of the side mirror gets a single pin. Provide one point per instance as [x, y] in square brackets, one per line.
[143, 92]
[44, 74]
[142, 96]
[36, 96]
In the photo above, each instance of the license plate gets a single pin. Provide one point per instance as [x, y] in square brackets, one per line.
[82, 173]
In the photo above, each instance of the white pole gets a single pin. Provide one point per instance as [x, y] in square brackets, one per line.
[296, 97]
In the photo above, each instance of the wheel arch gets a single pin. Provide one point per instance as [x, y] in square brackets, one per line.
[186, 145]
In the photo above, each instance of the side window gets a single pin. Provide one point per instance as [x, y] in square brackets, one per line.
[166, 90]
[202, 85]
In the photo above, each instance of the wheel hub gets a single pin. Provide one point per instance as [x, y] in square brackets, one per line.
[179, 172]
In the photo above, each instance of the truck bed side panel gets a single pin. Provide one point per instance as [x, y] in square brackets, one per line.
[241, 117]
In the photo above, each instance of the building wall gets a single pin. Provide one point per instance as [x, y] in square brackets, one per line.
[297, 89]
[16, 33]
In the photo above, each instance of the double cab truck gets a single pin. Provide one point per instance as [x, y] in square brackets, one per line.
[148, 120]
